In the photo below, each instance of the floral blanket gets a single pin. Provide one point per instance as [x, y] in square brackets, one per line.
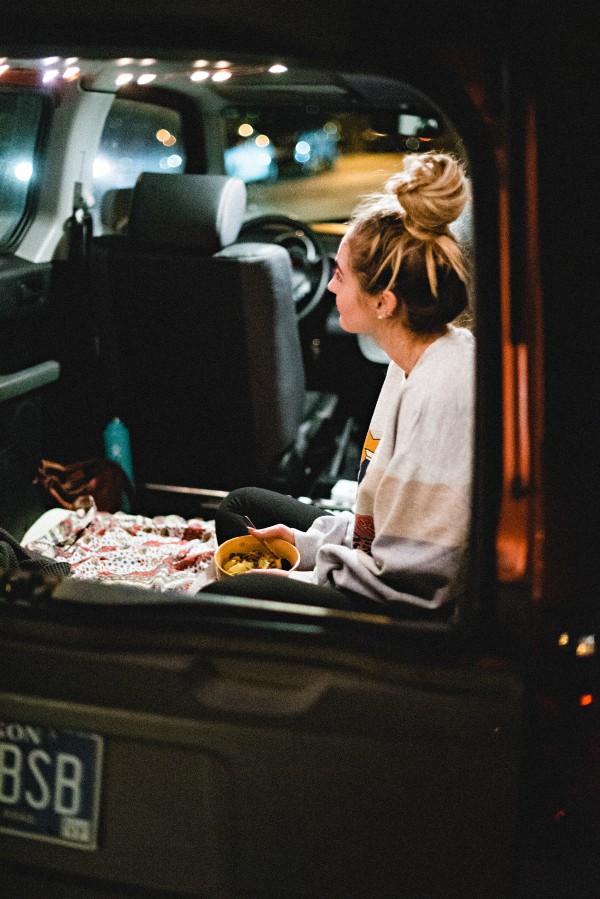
[163, 553]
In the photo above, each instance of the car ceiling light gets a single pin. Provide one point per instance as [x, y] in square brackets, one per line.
[586, 646]
[222, 64]
[199, 76]
[147, 62]
[200, 64]
[50, 75]
[221, 76]
[146, 79]
[71, 60]
[277, 69]
[124, 61]
[50, 60]
[125, 78]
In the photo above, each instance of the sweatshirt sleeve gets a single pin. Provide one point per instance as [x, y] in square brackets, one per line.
[337, 529]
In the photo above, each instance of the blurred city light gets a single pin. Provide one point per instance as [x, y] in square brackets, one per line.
[101, 167]
[23, 171]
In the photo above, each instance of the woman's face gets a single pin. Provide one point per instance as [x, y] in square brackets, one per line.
[356, 308]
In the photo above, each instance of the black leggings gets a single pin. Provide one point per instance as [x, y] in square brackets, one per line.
[265, 507]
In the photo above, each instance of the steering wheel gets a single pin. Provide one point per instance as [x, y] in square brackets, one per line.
[310, 262]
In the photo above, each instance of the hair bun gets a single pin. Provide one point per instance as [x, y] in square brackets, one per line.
[432, 191]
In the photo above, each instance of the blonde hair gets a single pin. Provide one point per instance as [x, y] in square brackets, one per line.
[400, 241]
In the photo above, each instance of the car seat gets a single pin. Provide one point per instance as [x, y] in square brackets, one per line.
[199, 341]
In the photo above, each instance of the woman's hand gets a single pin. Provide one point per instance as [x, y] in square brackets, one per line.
[275, 531]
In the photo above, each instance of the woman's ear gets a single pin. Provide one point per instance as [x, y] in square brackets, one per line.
[387, 304]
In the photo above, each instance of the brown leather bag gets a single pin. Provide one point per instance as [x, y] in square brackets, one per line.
[74, 486]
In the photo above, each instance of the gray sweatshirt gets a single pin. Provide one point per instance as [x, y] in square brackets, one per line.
[408, 539]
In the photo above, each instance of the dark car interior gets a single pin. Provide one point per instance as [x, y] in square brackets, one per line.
[169, 292]
[167, 244]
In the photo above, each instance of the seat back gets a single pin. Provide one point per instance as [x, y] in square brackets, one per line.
[198, 335]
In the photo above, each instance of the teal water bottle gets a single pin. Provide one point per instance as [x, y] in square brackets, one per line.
[117, 447]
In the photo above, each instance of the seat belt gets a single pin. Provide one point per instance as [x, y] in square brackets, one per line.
[79, 225]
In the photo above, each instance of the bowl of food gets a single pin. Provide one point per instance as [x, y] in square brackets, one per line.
[241, 555]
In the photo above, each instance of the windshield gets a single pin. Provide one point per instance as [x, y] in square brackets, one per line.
[314, 161]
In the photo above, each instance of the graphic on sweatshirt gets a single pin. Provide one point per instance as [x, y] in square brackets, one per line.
[364, 532]
[369, 446]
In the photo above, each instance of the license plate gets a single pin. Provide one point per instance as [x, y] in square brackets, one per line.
[50, 783]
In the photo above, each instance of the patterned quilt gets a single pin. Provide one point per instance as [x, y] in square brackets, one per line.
[162, 553]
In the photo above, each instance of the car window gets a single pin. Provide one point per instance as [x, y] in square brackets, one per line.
[137, 137]
[314, 160]
[20, 122]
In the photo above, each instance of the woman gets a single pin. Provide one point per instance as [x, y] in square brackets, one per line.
[401, 278]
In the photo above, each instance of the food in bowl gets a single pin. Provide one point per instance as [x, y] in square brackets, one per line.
[245, 554]
[238, 563]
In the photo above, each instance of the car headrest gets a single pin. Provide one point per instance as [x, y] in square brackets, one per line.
[186, 212]
[115, 209]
